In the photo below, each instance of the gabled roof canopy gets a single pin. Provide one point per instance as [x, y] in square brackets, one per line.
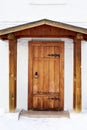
[43, 22]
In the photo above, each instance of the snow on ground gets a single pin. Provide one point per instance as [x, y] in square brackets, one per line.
[9, 121]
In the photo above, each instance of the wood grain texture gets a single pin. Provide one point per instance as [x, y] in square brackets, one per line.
[46, 89]
[77, 75]
[12, 73]
[45, 31]
[30, 99]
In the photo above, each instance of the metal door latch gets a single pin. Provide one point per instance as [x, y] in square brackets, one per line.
[53, 99]
[55, 55]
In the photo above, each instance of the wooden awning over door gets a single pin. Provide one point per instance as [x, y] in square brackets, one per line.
[44, 29]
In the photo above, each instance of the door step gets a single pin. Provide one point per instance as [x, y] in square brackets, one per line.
[45, 114]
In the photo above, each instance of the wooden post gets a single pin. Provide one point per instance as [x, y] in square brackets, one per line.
[77, 73]
[12, 71]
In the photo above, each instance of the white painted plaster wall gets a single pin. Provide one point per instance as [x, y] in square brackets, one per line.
[22, 74]
[84, 75]
[22, 77]
[66, 11]
[68, 85]
[4, 75]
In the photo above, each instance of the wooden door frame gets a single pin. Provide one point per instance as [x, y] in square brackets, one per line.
[31, 43]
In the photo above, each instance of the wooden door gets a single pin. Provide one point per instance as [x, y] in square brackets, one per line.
[46, 80]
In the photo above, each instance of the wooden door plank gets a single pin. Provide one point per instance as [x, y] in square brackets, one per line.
[51, 76]
[30, 75]
[40, 73]
[35, 78]
[41, 51]
[57, 69]
[46, 103]
[46, 51]
[62, 76]
[35, 51]
[57, 75]
[35, 102]
[46, 70]
[46, 76]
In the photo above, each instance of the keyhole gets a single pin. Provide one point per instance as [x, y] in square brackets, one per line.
[36, 75]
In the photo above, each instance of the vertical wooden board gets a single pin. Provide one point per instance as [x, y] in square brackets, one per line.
[51, 103]
[41, 99]
[40, 73]
[57, 74]
[30, 77]
[51, 77]
[46, 51]
[51, 50]
[46, 76]
[35, 51]
[41, 52]
[51, 72]
[40, 103]
[62, 77]
[57, 103]
[46, 69]
[35, 102]
[57, 68]
[35, 79]
[57, 49]
[46, 103]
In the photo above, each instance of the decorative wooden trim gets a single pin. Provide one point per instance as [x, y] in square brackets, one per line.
[77, 73]
[12, 72]
[11, 36]
[79, 36]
